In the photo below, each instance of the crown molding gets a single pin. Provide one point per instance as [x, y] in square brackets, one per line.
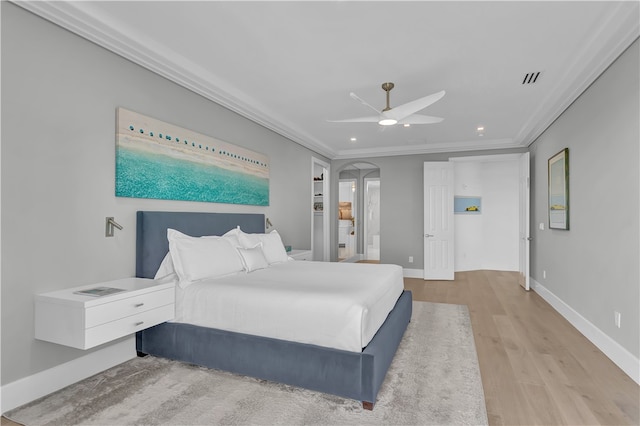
[81, 19]
[473, 145]
[607, 42]
[616, 33]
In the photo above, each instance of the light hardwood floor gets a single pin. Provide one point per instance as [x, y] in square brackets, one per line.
[536, 368]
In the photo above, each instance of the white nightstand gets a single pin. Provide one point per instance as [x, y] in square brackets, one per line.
[301, 254]
[83, 322]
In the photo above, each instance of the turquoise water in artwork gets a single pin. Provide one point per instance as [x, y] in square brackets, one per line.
[148, 175]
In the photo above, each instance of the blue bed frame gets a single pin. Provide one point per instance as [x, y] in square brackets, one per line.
[356, 375]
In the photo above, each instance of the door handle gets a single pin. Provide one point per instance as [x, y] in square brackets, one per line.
[429, 235]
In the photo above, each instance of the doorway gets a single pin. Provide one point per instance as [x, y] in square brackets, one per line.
[492, 232]
[320, 209]
[358, 219]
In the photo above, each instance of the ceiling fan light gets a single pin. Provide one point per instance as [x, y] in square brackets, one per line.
[387, 122]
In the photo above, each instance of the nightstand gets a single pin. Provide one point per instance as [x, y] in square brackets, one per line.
[301, 254]
[82, 321]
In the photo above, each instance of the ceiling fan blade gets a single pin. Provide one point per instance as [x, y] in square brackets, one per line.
[363, 102]
[420, 119]
[370, 119]
[405, 110]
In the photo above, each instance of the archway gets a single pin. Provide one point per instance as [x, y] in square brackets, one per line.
[358, 219]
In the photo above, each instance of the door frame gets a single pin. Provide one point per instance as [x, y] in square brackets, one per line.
[524, 207]
[326, 210]
[525, 220]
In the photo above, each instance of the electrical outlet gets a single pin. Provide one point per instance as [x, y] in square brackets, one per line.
[410, 259]
[616, 317]
[544, 275]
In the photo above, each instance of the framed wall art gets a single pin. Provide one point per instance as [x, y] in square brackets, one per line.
[467, 205]
[159, 160]
[559, 190]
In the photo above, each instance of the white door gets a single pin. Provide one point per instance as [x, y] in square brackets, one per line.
[525, 237]
[438, 221]
[371, 213]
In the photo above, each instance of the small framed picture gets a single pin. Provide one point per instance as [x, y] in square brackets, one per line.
[559, 190]
[467, 205]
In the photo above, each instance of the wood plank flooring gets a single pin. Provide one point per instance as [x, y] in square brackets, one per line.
[536, 368]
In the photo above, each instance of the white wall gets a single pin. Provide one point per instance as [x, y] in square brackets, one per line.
[488, 240]
[501, 212]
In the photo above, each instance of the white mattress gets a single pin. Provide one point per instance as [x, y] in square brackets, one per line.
[336, 305]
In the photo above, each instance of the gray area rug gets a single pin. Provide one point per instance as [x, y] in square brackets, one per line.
[434, 379]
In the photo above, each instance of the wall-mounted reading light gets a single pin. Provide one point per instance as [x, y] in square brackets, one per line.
[268, 223]
[109, 225]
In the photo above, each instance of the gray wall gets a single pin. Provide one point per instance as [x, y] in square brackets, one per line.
[593, 267]
[59, 97]
[401, 206]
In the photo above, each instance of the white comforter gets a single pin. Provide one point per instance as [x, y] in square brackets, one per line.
[337, 305]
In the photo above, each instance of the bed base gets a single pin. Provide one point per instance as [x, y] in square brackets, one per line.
[355, 375]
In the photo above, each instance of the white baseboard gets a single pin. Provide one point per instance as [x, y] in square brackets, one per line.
[30, 388]
[612, 349]
[413, 273]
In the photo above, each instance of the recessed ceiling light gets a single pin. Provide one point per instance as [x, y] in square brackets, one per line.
[480, 129]
[407, 125]
[353, 139]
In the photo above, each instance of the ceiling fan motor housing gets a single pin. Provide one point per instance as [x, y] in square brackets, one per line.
[387, 88]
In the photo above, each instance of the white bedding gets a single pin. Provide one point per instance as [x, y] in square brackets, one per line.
[337, 305]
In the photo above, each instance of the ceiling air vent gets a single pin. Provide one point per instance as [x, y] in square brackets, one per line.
[531, 77]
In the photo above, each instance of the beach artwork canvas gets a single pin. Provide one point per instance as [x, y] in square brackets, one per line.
[158, 160]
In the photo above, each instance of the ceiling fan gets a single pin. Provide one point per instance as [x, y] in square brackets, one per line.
[403, 114]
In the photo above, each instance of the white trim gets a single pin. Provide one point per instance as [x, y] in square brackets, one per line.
[326, 200]
[30, 388]
[612, 349]
[607, 42]
[488, 158]
[413, 273]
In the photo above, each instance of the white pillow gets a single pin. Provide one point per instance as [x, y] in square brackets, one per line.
[232, 236]
[166, 268]
[253, 258]
[195, 259]
[272, 245]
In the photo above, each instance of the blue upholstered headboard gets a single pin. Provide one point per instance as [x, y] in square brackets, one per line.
[151, 232]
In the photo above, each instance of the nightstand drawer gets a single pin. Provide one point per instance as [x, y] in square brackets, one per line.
[117, 309]
[68, 317]
[124, 326]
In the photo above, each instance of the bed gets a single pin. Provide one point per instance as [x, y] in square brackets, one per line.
[356, 374]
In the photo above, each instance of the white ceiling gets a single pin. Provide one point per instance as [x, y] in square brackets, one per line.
[290, 66]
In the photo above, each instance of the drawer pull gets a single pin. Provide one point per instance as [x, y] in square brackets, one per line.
[137, 305]
[139, 323]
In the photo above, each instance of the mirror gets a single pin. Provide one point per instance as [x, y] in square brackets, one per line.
[359, 213]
